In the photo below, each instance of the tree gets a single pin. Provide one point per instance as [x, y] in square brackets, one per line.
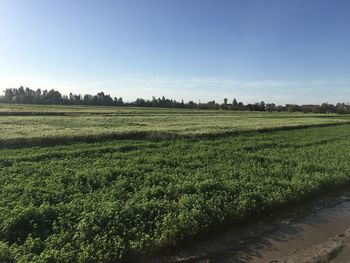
[234, 104]
[292, 107]
[88, 99]
[270, 107]
[262, 106]
[27, 95]
[52, 97]
[9, 95]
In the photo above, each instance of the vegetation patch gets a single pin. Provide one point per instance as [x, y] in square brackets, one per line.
[39, 125]
[117, 200]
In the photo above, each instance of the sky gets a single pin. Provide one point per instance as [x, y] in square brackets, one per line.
[281, 51]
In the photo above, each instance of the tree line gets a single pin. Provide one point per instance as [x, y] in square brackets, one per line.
[23, 95]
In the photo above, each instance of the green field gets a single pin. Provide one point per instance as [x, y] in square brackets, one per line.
[119, 198]
[86, 123]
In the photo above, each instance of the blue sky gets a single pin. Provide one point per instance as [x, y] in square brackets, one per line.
[283, 51]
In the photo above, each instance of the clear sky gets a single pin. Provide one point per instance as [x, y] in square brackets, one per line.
[282, 51]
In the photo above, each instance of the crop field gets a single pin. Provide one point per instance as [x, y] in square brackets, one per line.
[61, 124]
[120, 198]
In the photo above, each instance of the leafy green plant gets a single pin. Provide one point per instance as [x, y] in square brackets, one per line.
[117, 200]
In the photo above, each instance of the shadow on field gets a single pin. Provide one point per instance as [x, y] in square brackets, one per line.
[142, 135]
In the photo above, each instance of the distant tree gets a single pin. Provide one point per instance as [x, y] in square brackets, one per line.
[234, 104]
[262, 106]
[280, 108]
[10, 95]
[224, 105]
[88, 99]
[52, 97]
[140, 102]
[191, 104]
[120, 101]
[270, 107]
[29, 96]
[292, 107]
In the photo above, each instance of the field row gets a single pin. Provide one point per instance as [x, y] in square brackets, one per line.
[156, 123]
[111, 201]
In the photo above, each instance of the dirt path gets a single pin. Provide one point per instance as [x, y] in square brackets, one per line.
[314, 238]
[335, 249]
[316, 231]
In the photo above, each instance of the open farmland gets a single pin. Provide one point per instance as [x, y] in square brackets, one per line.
[45, 126]
[119, 198]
